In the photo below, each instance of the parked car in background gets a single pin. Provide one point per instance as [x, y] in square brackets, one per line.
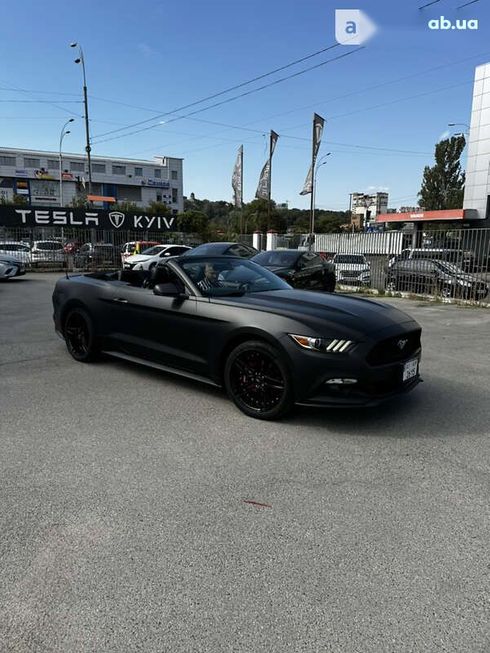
[150, 257]
[47, 252]
[434, 277]
[92, 255]
[352, 269]
[223, 249]
[17, 250]
[10, 267]
[135, 247]
[305, 270]
[464, 259]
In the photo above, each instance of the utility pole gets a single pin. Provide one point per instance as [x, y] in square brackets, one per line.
[81, 60]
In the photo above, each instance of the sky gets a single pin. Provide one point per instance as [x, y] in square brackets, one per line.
[386, 102]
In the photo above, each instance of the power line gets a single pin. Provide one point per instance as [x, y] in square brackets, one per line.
[228, 90]
[235, 97]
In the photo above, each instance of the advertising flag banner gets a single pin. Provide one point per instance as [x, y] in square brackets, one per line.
[318, 124]
[237, 179]
[264, 187]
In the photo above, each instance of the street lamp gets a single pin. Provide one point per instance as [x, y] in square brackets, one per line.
[321, 162]
[460, 124]
[80, 60]
[63, 133]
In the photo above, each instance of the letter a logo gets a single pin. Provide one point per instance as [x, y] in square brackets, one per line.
[353, 27]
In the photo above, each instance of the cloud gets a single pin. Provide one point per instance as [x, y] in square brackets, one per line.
[147, 51]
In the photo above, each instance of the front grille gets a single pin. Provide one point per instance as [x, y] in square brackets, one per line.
[350, 273]
[391, 350]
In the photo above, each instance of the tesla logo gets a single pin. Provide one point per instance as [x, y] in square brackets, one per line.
[116, 218]
[401, 344]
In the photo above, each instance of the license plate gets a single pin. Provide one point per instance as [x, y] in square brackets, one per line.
[410, 369]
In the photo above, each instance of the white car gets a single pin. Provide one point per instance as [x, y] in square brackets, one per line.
[47, 251]
[150, 257]
[352, 269]
[10, 267]
[17, 250]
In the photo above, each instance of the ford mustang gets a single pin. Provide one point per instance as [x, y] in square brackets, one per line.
[230, 322]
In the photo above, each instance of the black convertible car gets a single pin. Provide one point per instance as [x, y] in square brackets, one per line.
[229, 322]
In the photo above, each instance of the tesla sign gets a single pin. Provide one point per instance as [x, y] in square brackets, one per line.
[13, 216]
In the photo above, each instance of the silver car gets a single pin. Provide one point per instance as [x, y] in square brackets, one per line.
[10, 267]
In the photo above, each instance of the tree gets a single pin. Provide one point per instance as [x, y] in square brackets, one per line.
[194, 222]
[443, 183]
[158, 208]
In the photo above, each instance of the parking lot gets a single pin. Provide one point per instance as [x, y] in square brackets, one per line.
[125, 515]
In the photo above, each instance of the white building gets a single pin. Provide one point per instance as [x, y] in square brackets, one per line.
[366, 206]
[477, 186]
[36, 176]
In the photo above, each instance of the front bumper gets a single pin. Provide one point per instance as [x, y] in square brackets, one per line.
[376, 380]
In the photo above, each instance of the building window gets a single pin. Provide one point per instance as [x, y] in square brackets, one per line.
[159, 197]
[138, 172]
[174, 175]
[7, 160]
[174, 195]
[118, 170]
[158, 173]
[32, 163]
[53, 164]
[98, 167]
[77, 166]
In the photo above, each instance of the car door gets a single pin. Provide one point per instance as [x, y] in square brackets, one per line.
[153, 327]
[309, 271]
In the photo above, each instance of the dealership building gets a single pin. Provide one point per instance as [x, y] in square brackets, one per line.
[35, 175]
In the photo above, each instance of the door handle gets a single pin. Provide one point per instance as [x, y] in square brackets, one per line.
[120, 300]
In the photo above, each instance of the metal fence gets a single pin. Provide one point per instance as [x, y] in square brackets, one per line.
[56, 248]
[439, 263]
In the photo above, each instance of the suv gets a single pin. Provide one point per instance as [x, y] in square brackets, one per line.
[18, 250]
[47, 252]
[434, 277]
[463, 258]
[352, 269]
[98, 254]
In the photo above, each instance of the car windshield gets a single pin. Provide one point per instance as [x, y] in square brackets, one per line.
[273, 258]
[221, 277]
[151, 251]
[349, 258]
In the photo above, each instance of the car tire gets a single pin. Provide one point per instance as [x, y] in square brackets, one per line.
[258, 381]
[329, 282]
[79, 335]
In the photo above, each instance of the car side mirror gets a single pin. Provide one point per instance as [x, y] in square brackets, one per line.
[169, 289]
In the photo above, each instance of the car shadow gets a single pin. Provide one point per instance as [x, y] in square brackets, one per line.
[438, 408]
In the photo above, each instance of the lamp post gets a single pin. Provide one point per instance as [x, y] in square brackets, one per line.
[460, 124]
[63, 133]
[80, 60]
[321, 162]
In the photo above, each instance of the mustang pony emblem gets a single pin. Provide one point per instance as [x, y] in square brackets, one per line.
[401, 344]
[117, 218]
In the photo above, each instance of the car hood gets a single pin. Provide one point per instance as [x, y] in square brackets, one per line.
[318, 311]
[10, 260]
[355, 267]
[137, 258]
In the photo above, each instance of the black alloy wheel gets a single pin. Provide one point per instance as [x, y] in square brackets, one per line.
[258, 380]
[79, 336]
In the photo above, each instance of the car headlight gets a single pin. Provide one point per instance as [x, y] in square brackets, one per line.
[138, 266]
[323, 345]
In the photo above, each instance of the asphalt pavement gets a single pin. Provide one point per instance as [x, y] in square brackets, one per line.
[125, 522]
